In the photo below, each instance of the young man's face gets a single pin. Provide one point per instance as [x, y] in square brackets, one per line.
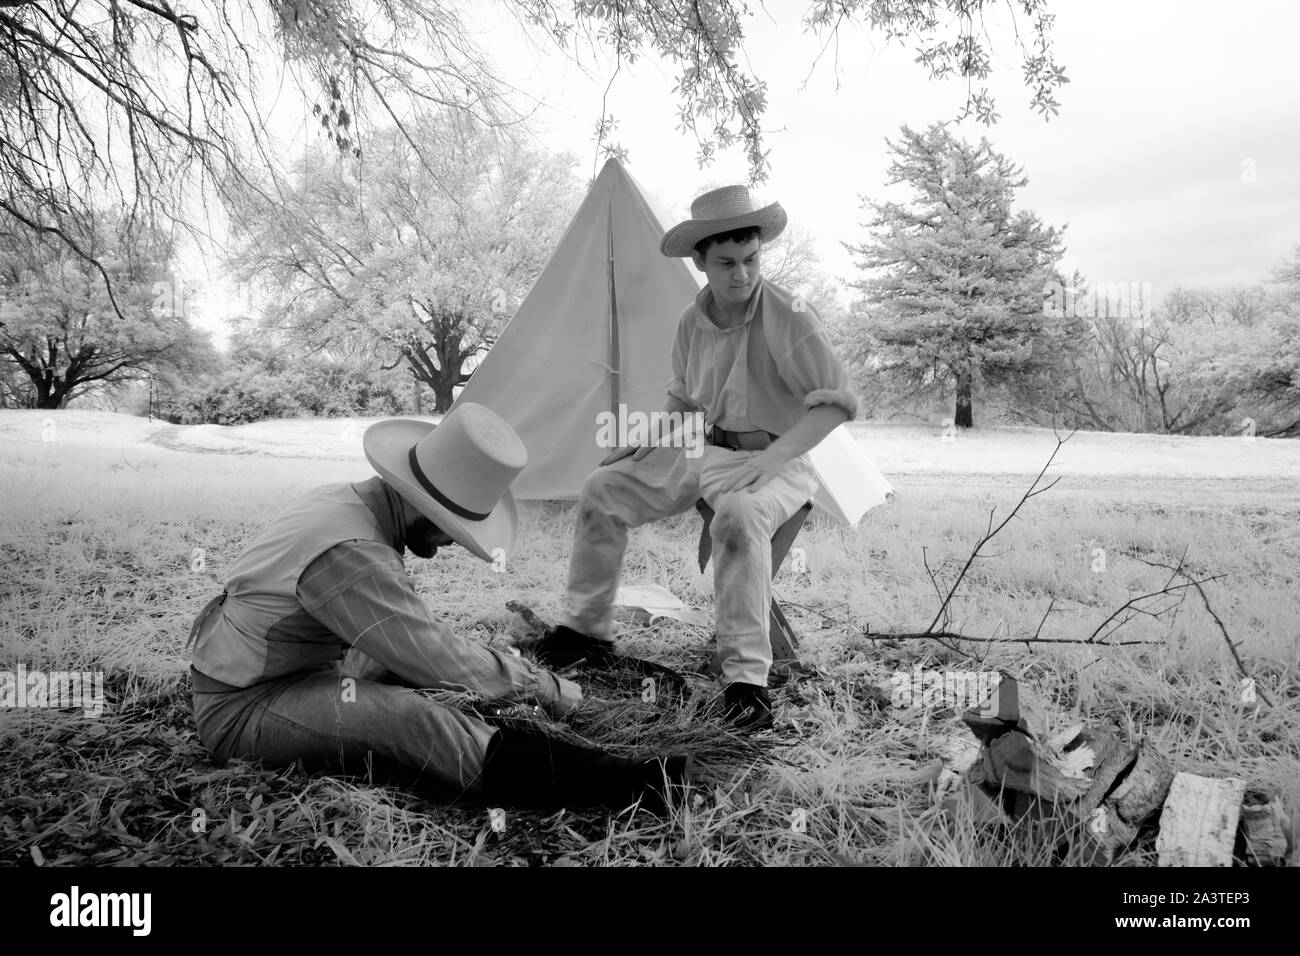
[732, 269]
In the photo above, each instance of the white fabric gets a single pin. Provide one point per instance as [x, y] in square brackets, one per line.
[657, 601]
[849, 484]
[549, 375]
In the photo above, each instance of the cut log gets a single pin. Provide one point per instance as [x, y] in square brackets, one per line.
[1008, 707]
[1198, 824]
[958, 755]
[1264, 829]
[971, 798]
[1143, 791]
[1013, 762]
[1109, 833]
[1112, 757]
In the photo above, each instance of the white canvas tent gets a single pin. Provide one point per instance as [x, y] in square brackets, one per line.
[596, 331]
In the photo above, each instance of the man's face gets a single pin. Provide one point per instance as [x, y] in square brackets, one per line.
[424, 538]
[732, 269]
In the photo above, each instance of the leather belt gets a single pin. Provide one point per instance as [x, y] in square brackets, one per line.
[740, 441]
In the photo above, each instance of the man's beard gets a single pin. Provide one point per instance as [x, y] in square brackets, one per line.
[419, 538]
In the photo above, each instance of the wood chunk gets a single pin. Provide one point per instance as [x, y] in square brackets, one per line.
[1198, 824]
[1144, 790]
[959, 754]
[999, 712]
[983, 808]
[1114, 756]
[1109, 832]
[1264, 829]
[1013, 762]
[1033, 712]
[1008, 707]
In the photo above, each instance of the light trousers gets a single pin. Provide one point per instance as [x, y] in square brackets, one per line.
[666, 482]
[338, 724]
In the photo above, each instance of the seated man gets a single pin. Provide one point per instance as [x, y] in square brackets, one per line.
[327, 576]
[756, 362]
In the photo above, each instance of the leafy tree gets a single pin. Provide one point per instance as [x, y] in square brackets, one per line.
[954, 295]
[792, 262]
[250, 390]
[1244, 349]
[1206, 361]
[422, 252]
[147, 103]
[59, 329]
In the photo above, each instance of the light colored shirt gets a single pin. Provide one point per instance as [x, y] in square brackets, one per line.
[762, 374]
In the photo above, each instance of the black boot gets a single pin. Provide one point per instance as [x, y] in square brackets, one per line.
[529, 769]
[562, 647]
[747, 707]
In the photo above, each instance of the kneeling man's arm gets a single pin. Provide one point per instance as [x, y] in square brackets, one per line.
[361, 591]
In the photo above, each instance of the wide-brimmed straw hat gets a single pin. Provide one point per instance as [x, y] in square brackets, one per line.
[457, 474]
[722, 210]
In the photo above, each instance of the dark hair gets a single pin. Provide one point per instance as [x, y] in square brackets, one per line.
[744, 234]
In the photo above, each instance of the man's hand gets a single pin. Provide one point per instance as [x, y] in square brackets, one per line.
[637, 453]
[756, 471]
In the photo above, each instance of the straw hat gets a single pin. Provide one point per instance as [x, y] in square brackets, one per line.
[457, 474]
[722, 210]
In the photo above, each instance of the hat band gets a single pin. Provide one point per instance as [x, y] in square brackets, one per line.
[439, 497]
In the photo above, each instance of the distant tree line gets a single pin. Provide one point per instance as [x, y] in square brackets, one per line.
[961, 300]
[381, 286]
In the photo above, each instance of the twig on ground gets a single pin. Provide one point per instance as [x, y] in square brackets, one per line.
[951, 636]
[1131, 609]
[829, 618]
[990, 532]
[1192, 582]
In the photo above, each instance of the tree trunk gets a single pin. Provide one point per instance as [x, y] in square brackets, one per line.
[442, 396]
[964, 416]
[47, 396]
[415, 397]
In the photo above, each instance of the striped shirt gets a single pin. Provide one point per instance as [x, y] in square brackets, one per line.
[357, 594]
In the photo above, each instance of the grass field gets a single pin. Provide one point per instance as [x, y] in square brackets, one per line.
[99, 528]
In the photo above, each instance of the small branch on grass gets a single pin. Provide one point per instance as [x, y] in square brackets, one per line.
[1131, 608]
[1192, 582]
[952, 636]
[1038, 630]
[990, 532]
[828, 618]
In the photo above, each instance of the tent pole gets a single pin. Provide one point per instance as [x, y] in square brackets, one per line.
[613, 321]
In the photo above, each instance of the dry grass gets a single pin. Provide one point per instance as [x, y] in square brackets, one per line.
[95, 572]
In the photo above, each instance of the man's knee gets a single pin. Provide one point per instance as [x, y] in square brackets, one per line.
[599, 496]
[736, 521]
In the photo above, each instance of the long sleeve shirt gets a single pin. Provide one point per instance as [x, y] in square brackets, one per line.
[761, 374]
[360, 591]
[327, 576]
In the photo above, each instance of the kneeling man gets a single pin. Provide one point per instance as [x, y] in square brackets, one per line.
[326, 577]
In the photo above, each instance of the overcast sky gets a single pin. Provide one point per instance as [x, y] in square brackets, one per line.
[1175, 159]
[1147, 161]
